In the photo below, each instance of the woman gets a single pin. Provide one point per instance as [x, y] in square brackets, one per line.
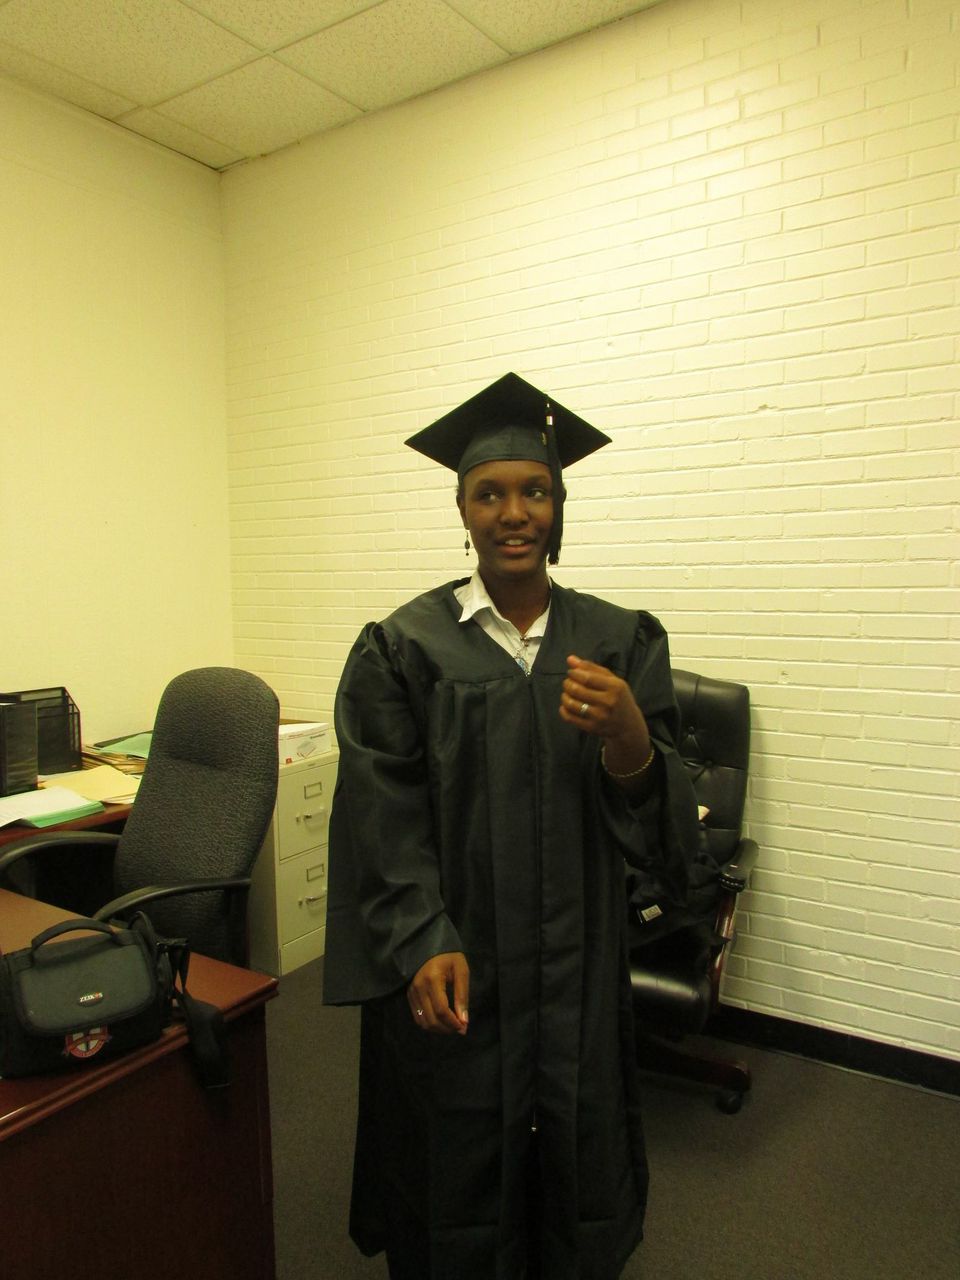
[506, 761]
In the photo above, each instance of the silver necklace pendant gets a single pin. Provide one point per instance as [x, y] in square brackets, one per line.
[520, 657]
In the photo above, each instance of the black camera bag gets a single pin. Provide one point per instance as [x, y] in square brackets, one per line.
[78, 1002]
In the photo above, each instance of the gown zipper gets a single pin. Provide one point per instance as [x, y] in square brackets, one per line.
[538, 837]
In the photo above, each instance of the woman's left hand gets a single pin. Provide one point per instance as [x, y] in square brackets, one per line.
[597, 702]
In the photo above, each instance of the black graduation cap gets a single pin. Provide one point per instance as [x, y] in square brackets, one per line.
[508, 420]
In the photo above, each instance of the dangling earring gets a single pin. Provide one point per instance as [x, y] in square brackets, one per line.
[466, 545]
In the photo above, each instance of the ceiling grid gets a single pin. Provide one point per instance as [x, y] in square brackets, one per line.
[224, 81]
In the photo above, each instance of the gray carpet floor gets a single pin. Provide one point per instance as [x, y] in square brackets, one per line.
[825, 1174]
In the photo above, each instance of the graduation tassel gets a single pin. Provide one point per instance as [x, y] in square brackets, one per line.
[550, 440]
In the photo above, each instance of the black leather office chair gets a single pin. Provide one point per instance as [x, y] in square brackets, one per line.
[203, 807]
[677, 959]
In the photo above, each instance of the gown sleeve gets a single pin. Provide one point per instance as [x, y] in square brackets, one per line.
[385, 913]
[658, 836]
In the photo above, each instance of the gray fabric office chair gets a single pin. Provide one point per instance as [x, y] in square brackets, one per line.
[676, 959]
[187, 851]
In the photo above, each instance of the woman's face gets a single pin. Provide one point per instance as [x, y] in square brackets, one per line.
[508, 509]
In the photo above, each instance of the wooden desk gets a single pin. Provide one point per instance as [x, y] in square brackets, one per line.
[82, 883]
[111, 818]
[131, 1168]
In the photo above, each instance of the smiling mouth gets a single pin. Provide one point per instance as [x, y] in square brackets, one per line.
[516, 549]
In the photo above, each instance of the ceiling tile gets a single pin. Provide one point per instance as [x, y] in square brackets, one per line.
[152, 125]
[259, 108]
[392, 52]
[62, 84]
[272, 25]
[534, 24]
[146, 50]
[215, 79]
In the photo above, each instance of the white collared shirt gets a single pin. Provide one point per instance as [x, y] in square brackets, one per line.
[479, 608]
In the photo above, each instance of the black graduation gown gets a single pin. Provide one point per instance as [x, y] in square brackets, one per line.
[469, 817]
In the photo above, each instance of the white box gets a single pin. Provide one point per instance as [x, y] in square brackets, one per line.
[301, 741]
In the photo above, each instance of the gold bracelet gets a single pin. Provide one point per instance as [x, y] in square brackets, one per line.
[634, 773]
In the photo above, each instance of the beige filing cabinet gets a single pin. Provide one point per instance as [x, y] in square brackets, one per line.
[287, 911]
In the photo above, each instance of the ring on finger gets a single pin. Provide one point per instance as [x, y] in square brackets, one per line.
[584, 708]
[419, 1013]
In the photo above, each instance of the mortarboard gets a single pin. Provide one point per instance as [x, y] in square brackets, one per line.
[509, 420]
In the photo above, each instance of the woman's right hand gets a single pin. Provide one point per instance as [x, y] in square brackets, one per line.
[428, 995]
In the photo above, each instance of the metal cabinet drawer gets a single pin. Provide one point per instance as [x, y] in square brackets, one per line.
[303, 807]
[302, 894]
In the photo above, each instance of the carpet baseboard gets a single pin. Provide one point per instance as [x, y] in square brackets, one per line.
[892, 1062]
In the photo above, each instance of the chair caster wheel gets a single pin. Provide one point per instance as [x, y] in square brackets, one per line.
[729, 1101]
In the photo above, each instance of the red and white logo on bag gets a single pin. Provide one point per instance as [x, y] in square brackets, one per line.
[85, 1044]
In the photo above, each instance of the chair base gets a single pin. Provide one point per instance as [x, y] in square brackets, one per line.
[731, 1077]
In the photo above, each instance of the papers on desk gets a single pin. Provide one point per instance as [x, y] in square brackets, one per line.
[46, 807]
[65, 796]
[136, 744]
[103, 783]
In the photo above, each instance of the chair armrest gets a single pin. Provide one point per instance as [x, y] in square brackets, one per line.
[733, 880]
[136, 898]
[29, 845]
[735, 874]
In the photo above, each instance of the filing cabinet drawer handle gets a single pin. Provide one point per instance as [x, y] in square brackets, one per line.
[309, 817]
[312, 898]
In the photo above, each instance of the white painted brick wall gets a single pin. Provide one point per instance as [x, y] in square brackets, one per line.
[726, 233]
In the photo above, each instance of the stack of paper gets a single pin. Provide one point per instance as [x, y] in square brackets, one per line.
[134, 744]
[103, 783]
[46, 807]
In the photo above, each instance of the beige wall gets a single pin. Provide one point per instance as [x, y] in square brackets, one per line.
[113, 512]
[726, 233]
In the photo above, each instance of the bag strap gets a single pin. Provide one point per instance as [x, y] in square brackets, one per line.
[208, 1039]
[71, 926]
[204, 1021]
